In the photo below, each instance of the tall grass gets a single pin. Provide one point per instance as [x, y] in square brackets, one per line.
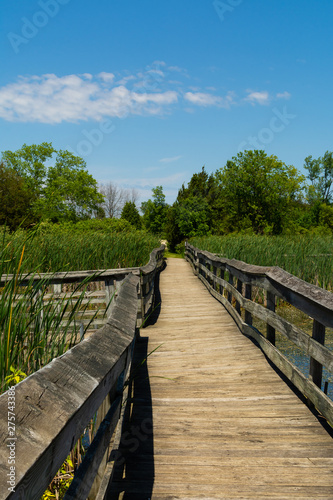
[66, 249]
[36, 326]
[33, 330]
[308, 257]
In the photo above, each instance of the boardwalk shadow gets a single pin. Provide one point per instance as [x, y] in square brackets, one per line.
[157, 304]
[134, 472]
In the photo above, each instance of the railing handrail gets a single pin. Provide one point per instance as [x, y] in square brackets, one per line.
[280, 282]
[77, 276]
[55, 404]
[314, 301]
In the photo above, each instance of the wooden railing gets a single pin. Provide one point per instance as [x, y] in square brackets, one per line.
[43, 417]
[110, 281]
[236, 294]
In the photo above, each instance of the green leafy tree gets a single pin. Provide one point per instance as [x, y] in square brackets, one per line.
[29, 162]
[258, 192]
[193, 217]
[131, 214]
[320, 174]
[194, 212]
[201, 185]
[70, 193]
[172, 231]
[325, 217]
[155, 211]
[63, 191]
[16, 199]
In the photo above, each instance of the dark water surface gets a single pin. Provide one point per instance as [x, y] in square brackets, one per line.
[296, 356]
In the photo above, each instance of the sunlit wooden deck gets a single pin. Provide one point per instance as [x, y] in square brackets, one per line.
[210, 417]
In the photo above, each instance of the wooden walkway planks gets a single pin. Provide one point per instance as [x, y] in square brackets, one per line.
[210, 418]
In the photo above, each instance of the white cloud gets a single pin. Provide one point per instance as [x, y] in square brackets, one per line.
[126, 79]
[177, 69]
[283, 95]
[204, 99]
[170, 160]
[180, 70]
[72, 98]
[106, 77]
[261, 98]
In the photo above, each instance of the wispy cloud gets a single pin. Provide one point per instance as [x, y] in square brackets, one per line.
[106, 77]
[283, 95]
[264, 98]
[170, 160]
[205, 99]
[73, 98]
[261, 98]
[52, 99]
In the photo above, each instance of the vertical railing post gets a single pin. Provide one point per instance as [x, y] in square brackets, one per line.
[57, 289]
[203, 262]
[142, 293]
[231, 282]
[221, 287]
[200, 271]
[316, 368]
[271, 306]
[38, 300]
[196, 262]
[109, 295]
[214, 273]
[240, 290]
[248, 295]
[209, 278]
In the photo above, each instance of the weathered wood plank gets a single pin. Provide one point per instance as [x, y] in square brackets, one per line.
[310, 345]
[224, 423]
[84, 478]
[312, 300]
[316, 369]
[54, 405]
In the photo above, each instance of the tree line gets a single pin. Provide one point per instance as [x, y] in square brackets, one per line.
[254, 193]
[39, 183]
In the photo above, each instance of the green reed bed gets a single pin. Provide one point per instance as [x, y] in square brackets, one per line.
[33, 331]
[308, 257]
[35, 328]
[68, 250]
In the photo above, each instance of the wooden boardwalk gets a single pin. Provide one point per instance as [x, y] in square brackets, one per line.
[209, 417]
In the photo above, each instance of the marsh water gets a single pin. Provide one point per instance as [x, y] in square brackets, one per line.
[296, 356]
[289, 349]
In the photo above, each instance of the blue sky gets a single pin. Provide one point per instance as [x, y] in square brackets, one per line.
[149, 91]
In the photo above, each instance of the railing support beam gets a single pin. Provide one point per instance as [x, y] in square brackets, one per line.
[271, 306]
[316, 369]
